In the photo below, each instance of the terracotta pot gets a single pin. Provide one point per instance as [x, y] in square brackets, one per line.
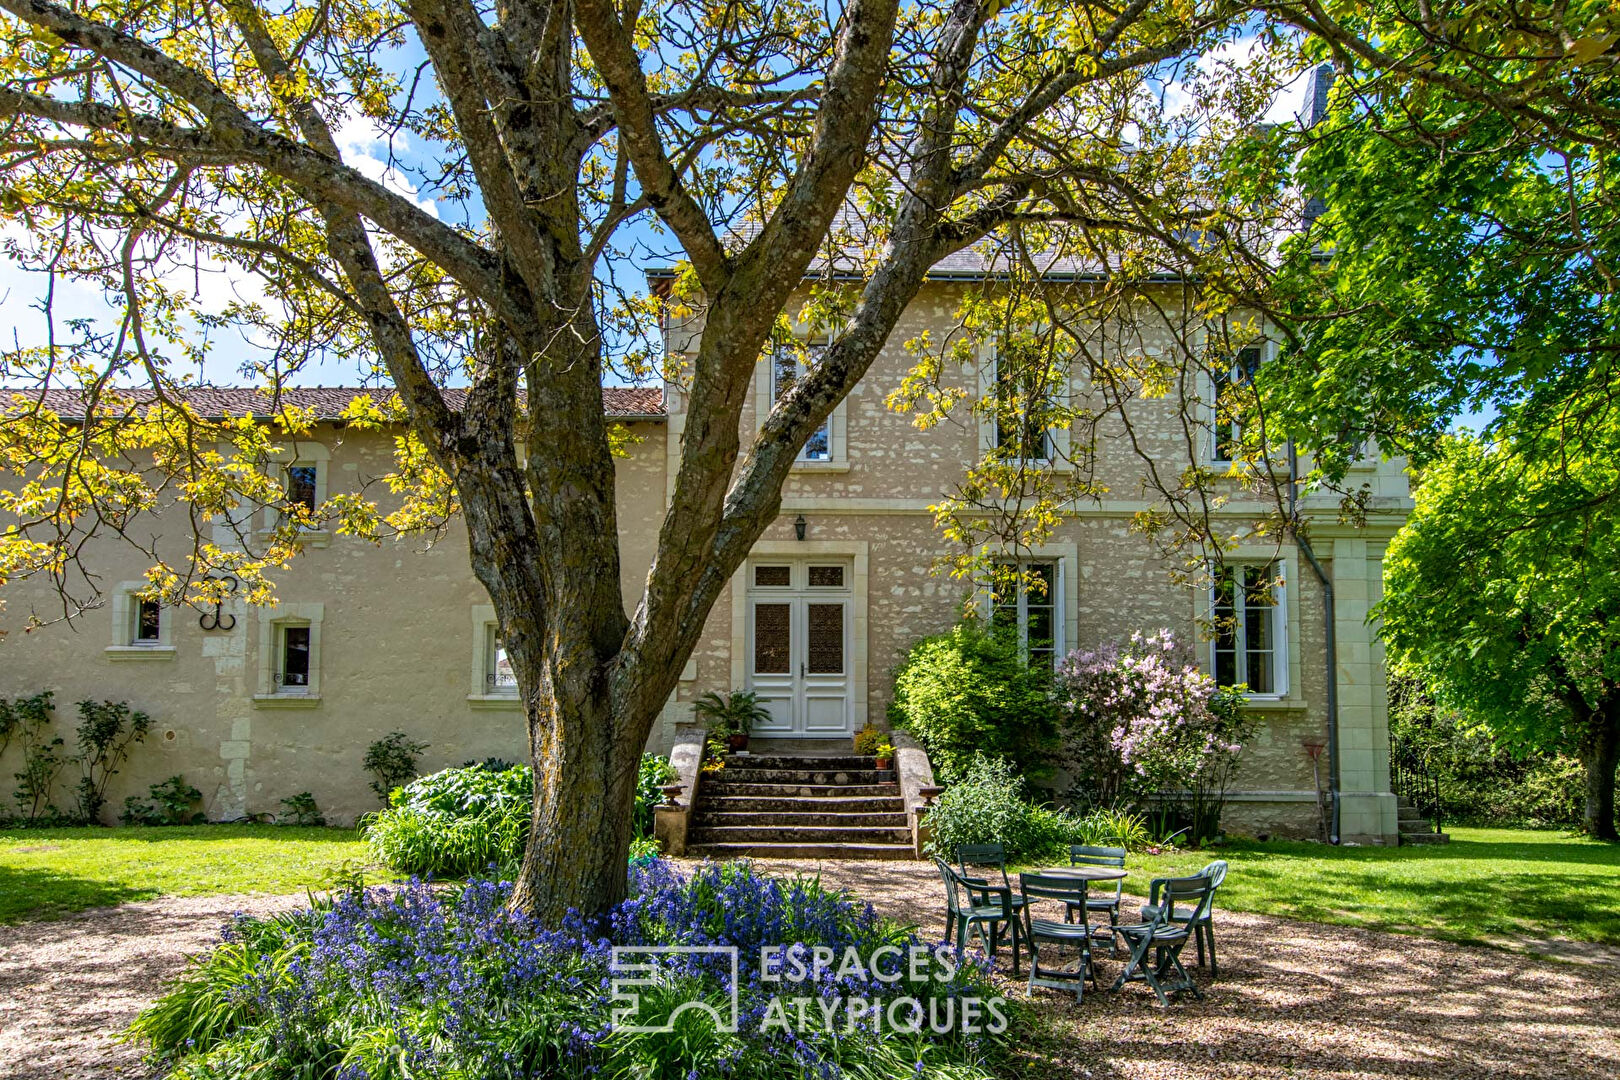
[737, 741]
[881, 764]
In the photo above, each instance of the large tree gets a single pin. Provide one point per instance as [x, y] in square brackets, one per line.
[769, 139]
[1501, 593]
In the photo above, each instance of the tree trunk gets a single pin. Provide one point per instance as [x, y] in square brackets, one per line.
[1600, 753]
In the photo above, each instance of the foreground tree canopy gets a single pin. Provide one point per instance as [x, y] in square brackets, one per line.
[777, 145]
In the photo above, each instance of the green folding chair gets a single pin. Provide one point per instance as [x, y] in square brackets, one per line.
[1075, 931]
[975, 908]
[1108, 900]
[1204, 931]
[990, 861]
[1165, 934]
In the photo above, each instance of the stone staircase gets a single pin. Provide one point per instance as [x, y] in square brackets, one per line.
[776, 806]
[1414, 827]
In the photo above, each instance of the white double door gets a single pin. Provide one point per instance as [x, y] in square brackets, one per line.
[799, 644]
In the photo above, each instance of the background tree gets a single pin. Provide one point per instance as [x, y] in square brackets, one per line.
[1501, 595]
[772, 140]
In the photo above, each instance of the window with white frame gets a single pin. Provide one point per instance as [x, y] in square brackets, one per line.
[499, 678]
[146, 623]
[1024, 599]
[290, 656]
[1250, 646]
[1229, 383]
[140, 625]
[789, 364]
[302, 471]
[293, 656]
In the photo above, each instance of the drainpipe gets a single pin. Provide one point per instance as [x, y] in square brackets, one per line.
[1328, 620]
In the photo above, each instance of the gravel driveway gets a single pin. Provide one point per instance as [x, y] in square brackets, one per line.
[1294, 1000]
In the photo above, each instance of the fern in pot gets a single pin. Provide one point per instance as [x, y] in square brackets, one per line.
[732, 715]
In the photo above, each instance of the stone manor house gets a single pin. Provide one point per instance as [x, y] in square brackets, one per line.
[258, 704]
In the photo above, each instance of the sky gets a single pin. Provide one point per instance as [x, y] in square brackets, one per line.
[369, 150]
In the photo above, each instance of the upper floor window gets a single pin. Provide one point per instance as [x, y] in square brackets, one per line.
[140, 625]
[1024, 599]
[1019, 390]
[301, 477]
[1249, 646]
[1229, 382]
[788, 366]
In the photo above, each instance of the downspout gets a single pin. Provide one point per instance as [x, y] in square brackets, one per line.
[1328, 620]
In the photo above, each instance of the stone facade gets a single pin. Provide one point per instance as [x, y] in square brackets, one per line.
[400, 642]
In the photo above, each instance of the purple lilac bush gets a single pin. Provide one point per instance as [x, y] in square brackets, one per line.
[422, 980]
[1143, 722]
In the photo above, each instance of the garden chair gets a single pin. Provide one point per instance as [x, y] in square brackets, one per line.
[1081, 855]
[1075, 931]
[1165, 934]
[976, 908]
[989, 860]
[1204, 930]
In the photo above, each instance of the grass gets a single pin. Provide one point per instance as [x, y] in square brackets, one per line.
[1495, 886]
[47, 873]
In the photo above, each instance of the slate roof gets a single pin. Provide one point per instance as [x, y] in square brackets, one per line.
[327, 402]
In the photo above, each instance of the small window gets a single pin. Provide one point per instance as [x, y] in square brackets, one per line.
[1229, 382]
[1248, 646]
[1025, 600]
[826, 577]
[148, 628]
[293, 678]
[499, 678]
[301, 485]
[773, 577]
[787, 367]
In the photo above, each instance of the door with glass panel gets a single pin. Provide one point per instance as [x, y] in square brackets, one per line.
[798, 638]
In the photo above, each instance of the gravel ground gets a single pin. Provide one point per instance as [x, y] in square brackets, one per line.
[1308, 1001]
[68, 987]
[1294, 999]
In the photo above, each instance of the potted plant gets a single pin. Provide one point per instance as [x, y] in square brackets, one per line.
[884, 755]
[732, 715]
[868, 739]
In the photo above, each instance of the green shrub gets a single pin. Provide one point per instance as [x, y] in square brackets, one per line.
[172, 802]
[968, 692]
[455, 822]
[653, 774]
[391, 760]
[300, 809]
[106, 731]
[987, 806]
[462, 821]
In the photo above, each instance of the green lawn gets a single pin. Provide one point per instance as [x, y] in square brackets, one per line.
[45, 873]
[1492, 885]
[1501, 886]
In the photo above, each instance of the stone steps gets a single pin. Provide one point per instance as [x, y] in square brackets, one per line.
[779, 806]
[725, 787]
[884, 819]
[791, 804]
[1414, 827]
[804, 851]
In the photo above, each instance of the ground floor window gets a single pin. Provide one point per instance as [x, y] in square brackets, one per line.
[1024, 599]
[293, 677]
[499, 678]
[1248, 647]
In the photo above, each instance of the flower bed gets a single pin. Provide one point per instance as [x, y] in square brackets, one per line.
[415, 980]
